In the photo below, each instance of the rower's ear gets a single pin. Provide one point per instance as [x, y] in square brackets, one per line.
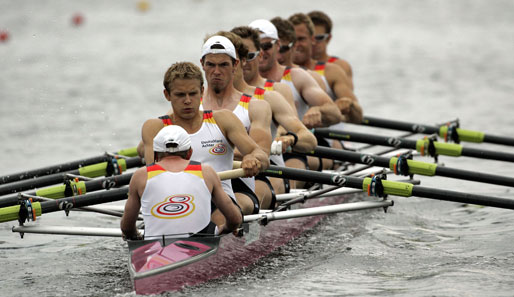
[329, 38]
[166, 94]
[189, 153]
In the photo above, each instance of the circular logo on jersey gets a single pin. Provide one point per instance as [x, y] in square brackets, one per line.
[174, 207]
[218, 149]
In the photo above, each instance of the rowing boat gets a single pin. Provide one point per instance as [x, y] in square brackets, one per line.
[169, 264]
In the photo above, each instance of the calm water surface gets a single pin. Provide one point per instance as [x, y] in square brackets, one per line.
[69, 92]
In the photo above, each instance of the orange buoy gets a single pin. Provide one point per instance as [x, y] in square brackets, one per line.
[143, 5]
[4, 35]
[77, 19]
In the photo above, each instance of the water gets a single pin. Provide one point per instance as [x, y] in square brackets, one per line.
[69, 92]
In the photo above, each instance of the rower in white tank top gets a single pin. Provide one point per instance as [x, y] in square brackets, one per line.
[175, 203]
[259, 94]
[243, 114]
[320, 69]
[301, 105]
[211, 147]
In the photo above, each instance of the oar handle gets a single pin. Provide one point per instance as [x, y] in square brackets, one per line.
[230, 174]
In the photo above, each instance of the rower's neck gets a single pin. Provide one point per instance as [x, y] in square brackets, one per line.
[173, 163]
[191, 125]
[275, 73]
[309, 64]
[225, 99]
[242, 86]
[324, 57]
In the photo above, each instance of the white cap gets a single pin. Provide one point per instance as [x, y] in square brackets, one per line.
[268, 30]
[219, 45]
[171, 139]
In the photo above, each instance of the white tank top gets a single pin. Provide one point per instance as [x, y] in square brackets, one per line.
[243, 114]
[320, 68]
[301, 105]
[211, 147]
[259, 94]
[175, 203]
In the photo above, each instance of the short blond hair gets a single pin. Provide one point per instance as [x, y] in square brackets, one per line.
[302, 18]
[182, 70]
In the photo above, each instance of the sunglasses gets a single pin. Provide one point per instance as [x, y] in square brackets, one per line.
[252, 55]
[321, 37]
[266, 46]
[285, 48]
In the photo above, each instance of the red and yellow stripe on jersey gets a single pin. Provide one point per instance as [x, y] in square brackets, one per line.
[287, 74]
[245, 101]
[153, 170]
[268, 85]
[259, 93]
[332, 59]
[194, 168]
[207, 118]
[320, 68]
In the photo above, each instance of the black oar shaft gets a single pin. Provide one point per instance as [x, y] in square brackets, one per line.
[475, 176]
[394, 188]
[499, 139]
[59, 192]
[468, 198]
[51, 169]
[463, 135]
[374, 160]
[85, 200]
[54, 178]
[483, 154]
[447, 149]
[397, 125]
[67, 166]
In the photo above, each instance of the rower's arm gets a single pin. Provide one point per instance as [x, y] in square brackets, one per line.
[286, 92]
[318, 99]
[286, 118]
[133, 204]
[254, 158]
[346, 100]
[150, 128]
[260, 123]
[221, 200]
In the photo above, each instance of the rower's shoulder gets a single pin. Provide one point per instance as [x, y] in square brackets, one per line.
[345, 65]
[223, 116]
[152, 125]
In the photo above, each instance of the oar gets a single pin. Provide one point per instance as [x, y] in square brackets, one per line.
[31, 210]
[130, 152]
[272, 216]
[379, 187]
[403, 166]
[448, 132]
[71, 188]
[113, 167]
[426, 146]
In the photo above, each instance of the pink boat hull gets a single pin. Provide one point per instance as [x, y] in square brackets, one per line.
[179, 268]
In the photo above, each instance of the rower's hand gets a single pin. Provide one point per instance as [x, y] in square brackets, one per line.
[251, 165]
[345, 105]
[287, 141]
[312, 118]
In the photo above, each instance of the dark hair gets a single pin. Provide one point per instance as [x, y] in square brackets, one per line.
[241, 48]
[285, 29]
[320, 18]
[182, 70]
[248, 32]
